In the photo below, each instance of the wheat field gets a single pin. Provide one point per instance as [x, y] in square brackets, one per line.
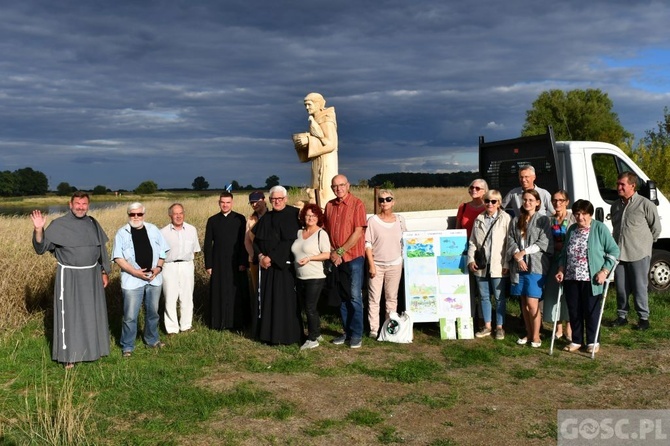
[26, 279]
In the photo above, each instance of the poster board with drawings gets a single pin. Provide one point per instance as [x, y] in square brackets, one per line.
[436, 276]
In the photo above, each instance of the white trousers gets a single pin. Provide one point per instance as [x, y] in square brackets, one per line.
[178, 284]
[388, 279]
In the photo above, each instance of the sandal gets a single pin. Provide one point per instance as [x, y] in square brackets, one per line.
[69, 366]
[127, 354]
[571, 348]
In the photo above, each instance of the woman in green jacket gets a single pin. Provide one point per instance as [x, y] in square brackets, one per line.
[589, 253]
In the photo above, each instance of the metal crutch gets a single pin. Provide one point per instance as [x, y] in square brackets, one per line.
[608, 280]
[557, 316]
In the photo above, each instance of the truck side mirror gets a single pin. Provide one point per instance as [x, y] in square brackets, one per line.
[600, 214]
[653, 193]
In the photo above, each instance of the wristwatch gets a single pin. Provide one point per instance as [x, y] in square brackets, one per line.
[340, 251]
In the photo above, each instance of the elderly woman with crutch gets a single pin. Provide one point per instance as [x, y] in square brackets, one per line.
[589, 254]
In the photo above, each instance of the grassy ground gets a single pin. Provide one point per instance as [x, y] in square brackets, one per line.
[210, 387]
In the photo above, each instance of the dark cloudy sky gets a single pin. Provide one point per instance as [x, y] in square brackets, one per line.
[118, 92]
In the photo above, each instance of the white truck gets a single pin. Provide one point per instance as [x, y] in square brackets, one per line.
[585, 169]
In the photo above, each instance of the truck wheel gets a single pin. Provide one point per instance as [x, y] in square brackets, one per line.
[659, 271]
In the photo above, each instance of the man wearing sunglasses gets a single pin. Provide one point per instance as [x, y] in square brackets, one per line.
[140, 250]
[527, 182]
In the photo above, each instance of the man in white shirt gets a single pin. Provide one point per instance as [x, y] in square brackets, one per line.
[527, 182]
[179, 271]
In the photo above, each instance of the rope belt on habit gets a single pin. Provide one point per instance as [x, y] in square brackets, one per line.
[62, 292]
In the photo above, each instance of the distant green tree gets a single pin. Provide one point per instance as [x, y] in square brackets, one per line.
[362, 183]
[31, 182]
[64, 189]
[200, 183]
[100, 190]
[8, 184]
[146, 188]
[236, 185]
[653, 151]
[578, 115]
[271, 181]
[388, 185]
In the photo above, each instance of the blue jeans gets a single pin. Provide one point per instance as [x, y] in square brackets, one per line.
[497, 285]
[351, 309]
[132, 300]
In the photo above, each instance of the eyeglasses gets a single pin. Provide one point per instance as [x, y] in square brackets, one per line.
[558, 200]
[477, 188]
[310, 216]
[385, 199]
[491, 201]
[276, 198]
[136, 214]
[335, 186]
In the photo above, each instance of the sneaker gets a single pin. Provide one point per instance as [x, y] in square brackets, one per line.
[500, 334]
[374, 334]
[356, 344]
[483, 333]
[620, 322]
[339, 340]
[522, 341]
[642, 325]
[158, 345]
[309, 345]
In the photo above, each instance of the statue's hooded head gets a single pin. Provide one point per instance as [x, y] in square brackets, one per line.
[317, 100]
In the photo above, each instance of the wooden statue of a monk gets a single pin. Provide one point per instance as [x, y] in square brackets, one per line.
[319, 146]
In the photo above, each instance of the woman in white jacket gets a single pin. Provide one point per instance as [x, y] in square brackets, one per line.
[490, 233]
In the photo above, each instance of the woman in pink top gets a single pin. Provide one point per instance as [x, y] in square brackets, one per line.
[383, 250]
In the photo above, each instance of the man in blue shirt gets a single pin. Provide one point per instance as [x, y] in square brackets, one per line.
[140, 251]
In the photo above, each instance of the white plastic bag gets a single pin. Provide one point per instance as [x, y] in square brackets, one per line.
[397, 328]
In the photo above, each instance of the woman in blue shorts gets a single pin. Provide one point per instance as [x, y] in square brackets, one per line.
[529, 247]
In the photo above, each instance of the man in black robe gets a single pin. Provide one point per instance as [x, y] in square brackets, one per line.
[226, 262]
[80, 327]
[279, 318]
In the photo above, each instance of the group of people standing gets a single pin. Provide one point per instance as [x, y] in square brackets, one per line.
[151, 260]
[546, 247]
[264, 270]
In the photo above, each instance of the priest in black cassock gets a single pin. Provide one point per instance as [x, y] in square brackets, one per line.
[226, 261]
[279, 318]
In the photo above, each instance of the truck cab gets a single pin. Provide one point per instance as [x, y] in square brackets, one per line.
[586, 170]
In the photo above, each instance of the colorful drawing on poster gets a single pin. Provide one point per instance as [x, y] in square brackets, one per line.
[454, 295]
[421, 267]
[450, 265]
[451, 260]
[420, 247]
[453, 245]
[423, 299]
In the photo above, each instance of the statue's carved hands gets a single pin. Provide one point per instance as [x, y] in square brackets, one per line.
[300, 140]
